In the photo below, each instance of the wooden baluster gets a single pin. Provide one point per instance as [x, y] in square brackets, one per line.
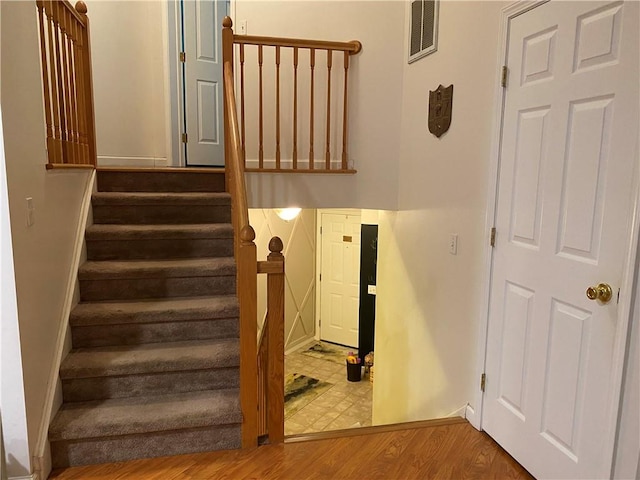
[295, 108]
[55, 81]
[82, 113]
[81, 8]
[72, 85]
[62, 18]
[344, 112]
[242, 123]
[312, 64]
[42, 18]
[328, 141]
[260, 120]
[277, 108]
[82, 136]
[275, 367]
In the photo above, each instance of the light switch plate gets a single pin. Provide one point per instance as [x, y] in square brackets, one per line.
[371, 289]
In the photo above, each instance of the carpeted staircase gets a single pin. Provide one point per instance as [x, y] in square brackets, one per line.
[154, 368]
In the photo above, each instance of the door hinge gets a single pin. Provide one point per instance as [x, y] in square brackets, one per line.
[618, 297]
[183, 57]
[505, 74]
[320, 230]
[493, 236]
[320, 277]
[184, 138]
[483, 381]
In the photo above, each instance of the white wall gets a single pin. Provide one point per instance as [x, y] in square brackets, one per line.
[42, 253]
[298, 238]
[428, 303]
[375, 99]
[129, 57]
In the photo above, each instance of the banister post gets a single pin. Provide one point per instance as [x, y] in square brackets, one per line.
[247, 291]
[227, 56]
[275, 325]
[81, 8]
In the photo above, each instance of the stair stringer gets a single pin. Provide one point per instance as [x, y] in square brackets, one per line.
[53, 400]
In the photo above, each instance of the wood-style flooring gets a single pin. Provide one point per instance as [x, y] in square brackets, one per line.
[453, 450]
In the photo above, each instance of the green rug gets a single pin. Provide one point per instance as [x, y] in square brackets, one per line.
[327, 351]
[300, 390]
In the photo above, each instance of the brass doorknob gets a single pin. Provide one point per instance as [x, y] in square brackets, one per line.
[602, 292]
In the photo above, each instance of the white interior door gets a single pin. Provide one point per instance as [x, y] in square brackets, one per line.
[204, 118]
[340, 279]
[570, 127]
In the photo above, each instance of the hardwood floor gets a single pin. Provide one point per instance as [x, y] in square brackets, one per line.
[451, 451]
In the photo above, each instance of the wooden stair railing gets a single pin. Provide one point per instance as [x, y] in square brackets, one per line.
[67, 84]
[320, 158]
[266, 370]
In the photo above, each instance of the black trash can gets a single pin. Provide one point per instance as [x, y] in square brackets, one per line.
[354, 372]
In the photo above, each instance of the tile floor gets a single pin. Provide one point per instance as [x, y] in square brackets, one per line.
[344, 405]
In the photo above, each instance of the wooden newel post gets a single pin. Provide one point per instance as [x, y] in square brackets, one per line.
[247, 289]
[227, 56]
[275, 368]
[87, 74]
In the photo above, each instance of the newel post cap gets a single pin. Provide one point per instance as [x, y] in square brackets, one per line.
[81, 7]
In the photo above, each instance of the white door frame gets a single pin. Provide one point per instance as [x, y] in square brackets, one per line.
[175, 83]
[625, 309]
[319, 212]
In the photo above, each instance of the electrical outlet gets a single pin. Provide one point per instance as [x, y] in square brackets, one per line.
[242, 27]
[31, 212]
[453, 244]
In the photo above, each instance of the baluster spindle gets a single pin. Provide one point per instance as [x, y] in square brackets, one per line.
[344, 112]
[242, 124]
[66, 86]
[260, 121]
[72, 86]
[328, 139]
[56, 83]
[312, 64]
[278, 107]
[45, 82]
[295, 108]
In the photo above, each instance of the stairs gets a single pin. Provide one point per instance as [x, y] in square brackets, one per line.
[154, 367]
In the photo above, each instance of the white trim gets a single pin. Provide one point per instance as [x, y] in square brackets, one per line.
[470, 412]
[42, 458]
[175, 84]
[33, 476]
[626, 289]
[107, 161]
[300, 345]
[459, 412]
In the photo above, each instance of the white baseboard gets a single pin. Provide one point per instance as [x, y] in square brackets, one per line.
[33, 476]
[42, 460]
[106, 161]
[300, 345]
[460, 412]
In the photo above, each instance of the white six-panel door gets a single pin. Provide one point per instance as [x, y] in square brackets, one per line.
[340, 283]
[569, 133]
[202, 24]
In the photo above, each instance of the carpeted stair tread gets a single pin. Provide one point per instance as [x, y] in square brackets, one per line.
[159, 199]
[154, 310]
[143, 232]
[189, 267]
[138, 415]
[151, 358]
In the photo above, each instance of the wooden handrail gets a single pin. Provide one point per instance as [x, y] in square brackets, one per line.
[67, 83]
[353, 47]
